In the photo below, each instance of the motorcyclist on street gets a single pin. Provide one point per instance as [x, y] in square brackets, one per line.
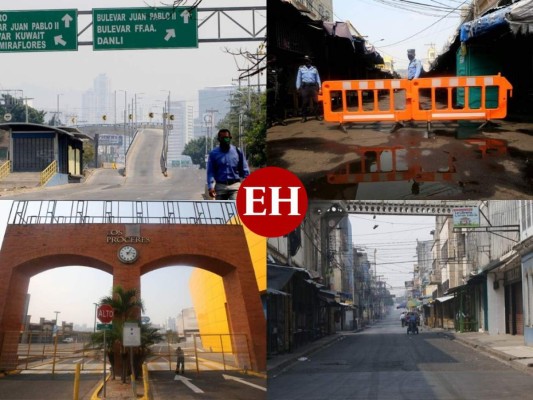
[412, 321]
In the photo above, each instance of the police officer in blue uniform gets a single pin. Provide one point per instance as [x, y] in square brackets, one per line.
[308, 85]
[415, 66]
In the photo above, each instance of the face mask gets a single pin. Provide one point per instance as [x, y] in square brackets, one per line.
[225, 143]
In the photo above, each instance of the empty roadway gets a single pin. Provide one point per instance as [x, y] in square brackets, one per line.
[383, 362]
[144, 179]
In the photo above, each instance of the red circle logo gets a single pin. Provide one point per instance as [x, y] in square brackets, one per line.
[272, 202]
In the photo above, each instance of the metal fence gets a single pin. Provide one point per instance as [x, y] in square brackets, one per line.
[127, 212]
[210, 352]
[43, 352]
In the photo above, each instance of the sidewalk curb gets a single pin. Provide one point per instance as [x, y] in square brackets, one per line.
[500, 356]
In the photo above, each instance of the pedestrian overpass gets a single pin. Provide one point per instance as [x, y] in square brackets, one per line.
[128, 239]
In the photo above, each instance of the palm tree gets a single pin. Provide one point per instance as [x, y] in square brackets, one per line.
[127, 307]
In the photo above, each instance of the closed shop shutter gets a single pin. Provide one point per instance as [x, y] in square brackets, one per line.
[32, 151]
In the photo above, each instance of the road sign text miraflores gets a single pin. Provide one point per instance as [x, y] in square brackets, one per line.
[43, 30]
[116, 236]
[145, 28]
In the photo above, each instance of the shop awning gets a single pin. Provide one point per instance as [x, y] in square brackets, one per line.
[328, 296]
[279, 276]
[484, 24]
[521, 17]
[443, 299]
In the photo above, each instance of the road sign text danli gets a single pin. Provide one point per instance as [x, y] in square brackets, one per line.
[144, 28]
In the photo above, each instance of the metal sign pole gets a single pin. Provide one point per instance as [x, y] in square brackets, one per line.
[105, 357]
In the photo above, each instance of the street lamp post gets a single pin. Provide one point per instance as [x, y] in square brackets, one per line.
[135, 112]
[56, 313]
[94, 325]
[57, 111]
[124, 134]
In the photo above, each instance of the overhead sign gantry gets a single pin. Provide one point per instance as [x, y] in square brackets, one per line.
[127, 28]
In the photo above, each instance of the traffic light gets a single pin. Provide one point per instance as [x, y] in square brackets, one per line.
[130, 116]
[171, 117]
[104, 117]
[151, 115]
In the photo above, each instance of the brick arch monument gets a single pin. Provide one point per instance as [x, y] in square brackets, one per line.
[128, 246]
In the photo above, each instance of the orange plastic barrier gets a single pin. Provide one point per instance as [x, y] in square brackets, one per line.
[424, 99]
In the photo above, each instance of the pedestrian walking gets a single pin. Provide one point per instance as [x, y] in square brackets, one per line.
[180, 364]
[226, 167]
[308, 85]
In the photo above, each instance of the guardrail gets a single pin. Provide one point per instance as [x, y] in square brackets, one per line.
[5, 169]
[47, 173]
[425, 99]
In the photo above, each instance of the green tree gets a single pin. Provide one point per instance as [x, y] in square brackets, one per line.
[127, 307]
[88, 153]
[196, 150]
[17, 109]
[248, 111]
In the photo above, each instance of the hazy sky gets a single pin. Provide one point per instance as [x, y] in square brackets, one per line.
[45, 75]
[400, 29]
[73, 290]
[394, 239]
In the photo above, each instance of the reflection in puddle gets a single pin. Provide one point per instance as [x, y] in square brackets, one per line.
[386, 164]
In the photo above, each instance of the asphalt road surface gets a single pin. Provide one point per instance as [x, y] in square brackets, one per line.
[144, 179]
[45, 386]
[383, 362]
[483, 164]
[211, 385]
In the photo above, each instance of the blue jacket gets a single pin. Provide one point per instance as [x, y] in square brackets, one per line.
[224, 166]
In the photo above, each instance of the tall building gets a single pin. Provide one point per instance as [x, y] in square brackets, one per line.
[171, 324]
[97, 101]
[213, 105]
[88, 110]
[182, 130]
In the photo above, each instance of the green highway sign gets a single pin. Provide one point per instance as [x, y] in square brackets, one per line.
[43, 30]
[145, 28]
[104, 327]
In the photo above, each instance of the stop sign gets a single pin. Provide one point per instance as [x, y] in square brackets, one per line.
[105, 313]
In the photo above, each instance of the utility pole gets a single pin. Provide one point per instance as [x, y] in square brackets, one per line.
[26, 105]
[212, 125]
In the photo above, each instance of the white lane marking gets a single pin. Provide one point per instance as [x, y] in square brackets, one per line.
[234, 378]
[187, 383]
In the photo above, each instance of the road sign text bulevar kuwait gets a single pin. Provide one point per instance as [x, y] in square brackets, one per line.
[145, 28]
[43, 30]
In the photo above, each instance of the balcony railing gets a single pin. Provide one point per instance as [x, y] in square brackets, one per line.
[126, 212]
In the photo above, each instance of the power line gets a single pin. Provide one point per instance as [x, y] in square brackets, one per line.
[428, 27]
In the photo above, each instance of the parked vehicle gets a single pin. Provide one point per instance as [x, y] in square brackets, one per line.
[68, 340]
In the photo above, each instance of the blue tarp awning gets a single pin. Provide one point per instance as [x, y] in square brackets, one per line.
[484, 24]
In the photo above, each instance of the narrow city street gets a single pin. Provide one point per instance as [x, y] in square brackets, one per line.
[383, 362]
